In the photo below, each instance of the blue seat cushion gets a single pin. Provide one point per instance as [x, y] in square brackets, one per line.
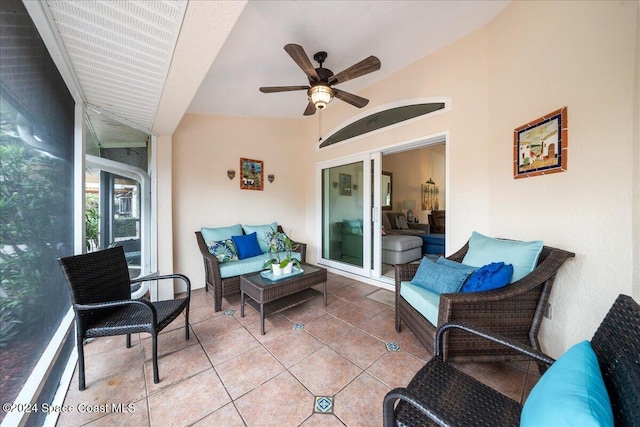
[249, 265]
[425, 302]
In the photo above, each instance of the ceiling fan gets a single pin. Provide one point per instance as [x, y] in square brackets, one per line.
[322, 80]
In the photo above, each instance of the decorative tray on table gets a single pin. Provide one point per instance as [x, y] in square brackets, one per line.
[268, 274]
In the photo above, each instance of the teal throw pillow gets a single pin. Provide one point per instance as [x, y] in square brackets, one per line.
[247, 245]
[492, 276]
[261, 233]
[523, 256]
[220, 233]
[453, 264]
[570, 393]
[223, 250]
[439, 279]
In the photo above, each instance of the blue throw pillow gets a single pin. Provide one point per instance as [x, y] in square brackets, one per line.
[523, 256]
[261, 233]
[439, 279]
[247, 245]
[570, 393]
[224, 250]
[492, 276]
[453, 264]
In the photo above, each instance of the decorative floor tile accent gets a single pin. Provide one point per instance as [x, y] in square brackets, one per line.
[323, 405]
[392, 346]
[298, 327]
[229, 312]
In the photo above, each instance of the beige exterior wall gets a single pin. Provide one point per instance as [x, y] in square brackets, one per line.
[534, 58]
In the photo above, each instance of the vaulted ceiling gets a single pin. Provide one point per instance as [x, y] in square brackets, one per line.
[140, 65]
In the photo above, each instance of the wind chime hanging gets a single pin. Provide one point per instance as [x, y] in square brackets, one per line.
[430, 196]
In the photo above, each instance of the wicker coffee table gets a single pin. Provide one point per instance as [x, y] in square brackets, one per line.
[269, 297]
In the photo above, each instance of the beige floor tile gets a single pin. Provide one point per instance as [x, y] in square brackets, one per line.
[305, 312]
[281, 401]
[383, 326]
[212, 328]
[410, 344]
[229, 345]
[200, 298]
[353, 314]
[322, 420]
[227, 416]
[327, 328]
[168, 342]
[122, 387]
[188, 401]
[176, 367]
[273, 378]
[106, 363]
[248, 370]
[395, 368]
[135, 414]
[293, 346]
[358, 347]
[274, 326]
[355, 290]
[371, 305]
[325, 372]
[360, 403]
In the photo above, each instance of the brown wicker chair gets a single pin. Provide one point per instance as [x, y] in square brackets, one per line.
[101, 294]
[440, 394]
[515, 311]
[230, 285]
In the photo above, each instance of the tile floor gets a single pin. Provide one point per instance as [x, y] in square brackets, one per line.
[315, 366]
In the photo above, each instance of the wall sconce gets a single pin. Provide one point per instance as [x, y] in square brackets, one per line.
[271, 177]
[335, 184]
[231, 173]
[355, 187]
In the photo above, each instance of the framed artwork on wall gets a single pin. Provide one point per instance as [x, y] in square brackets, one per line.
[541, 146]
[345, 184]
[251, 174]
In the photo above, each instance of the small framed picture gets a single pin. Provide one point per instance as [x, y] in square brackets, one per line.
[251, 174]
[345, 184]
[541, 146]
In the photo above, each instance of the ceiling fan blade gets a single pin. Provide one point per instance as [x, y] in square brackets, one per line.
[311, 109]
[297, 53]
[350, 98]
[271, 89]
[366, 66]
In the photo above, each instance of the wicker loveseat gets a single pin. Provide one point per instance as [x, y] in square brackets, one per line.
[223, 286]
[514, 311]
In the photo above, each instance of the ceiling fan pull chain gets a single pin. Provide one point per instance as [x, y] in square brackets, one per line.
[319, 125]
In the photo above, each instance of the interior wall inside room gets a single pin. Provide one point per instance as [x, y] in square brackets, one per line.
[413, 168]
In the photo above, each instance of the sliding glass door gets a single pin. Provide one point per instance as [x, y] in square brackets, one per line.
[347, 198]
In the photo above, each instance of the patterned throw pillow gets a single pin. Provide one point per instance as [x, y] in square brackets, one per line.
[224, 250]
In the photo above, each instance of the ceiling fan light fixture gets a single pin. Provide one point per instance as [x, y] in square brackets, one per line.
[320, 96]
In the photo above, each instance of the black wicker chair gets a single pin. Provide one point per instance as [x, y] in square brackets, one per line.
[440, 394]
[101, 295]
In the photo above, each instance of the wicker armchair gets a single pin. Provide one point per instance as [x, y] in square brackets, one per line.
[440, 394]
[101, 295]
[515, 311]
[229, 285]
